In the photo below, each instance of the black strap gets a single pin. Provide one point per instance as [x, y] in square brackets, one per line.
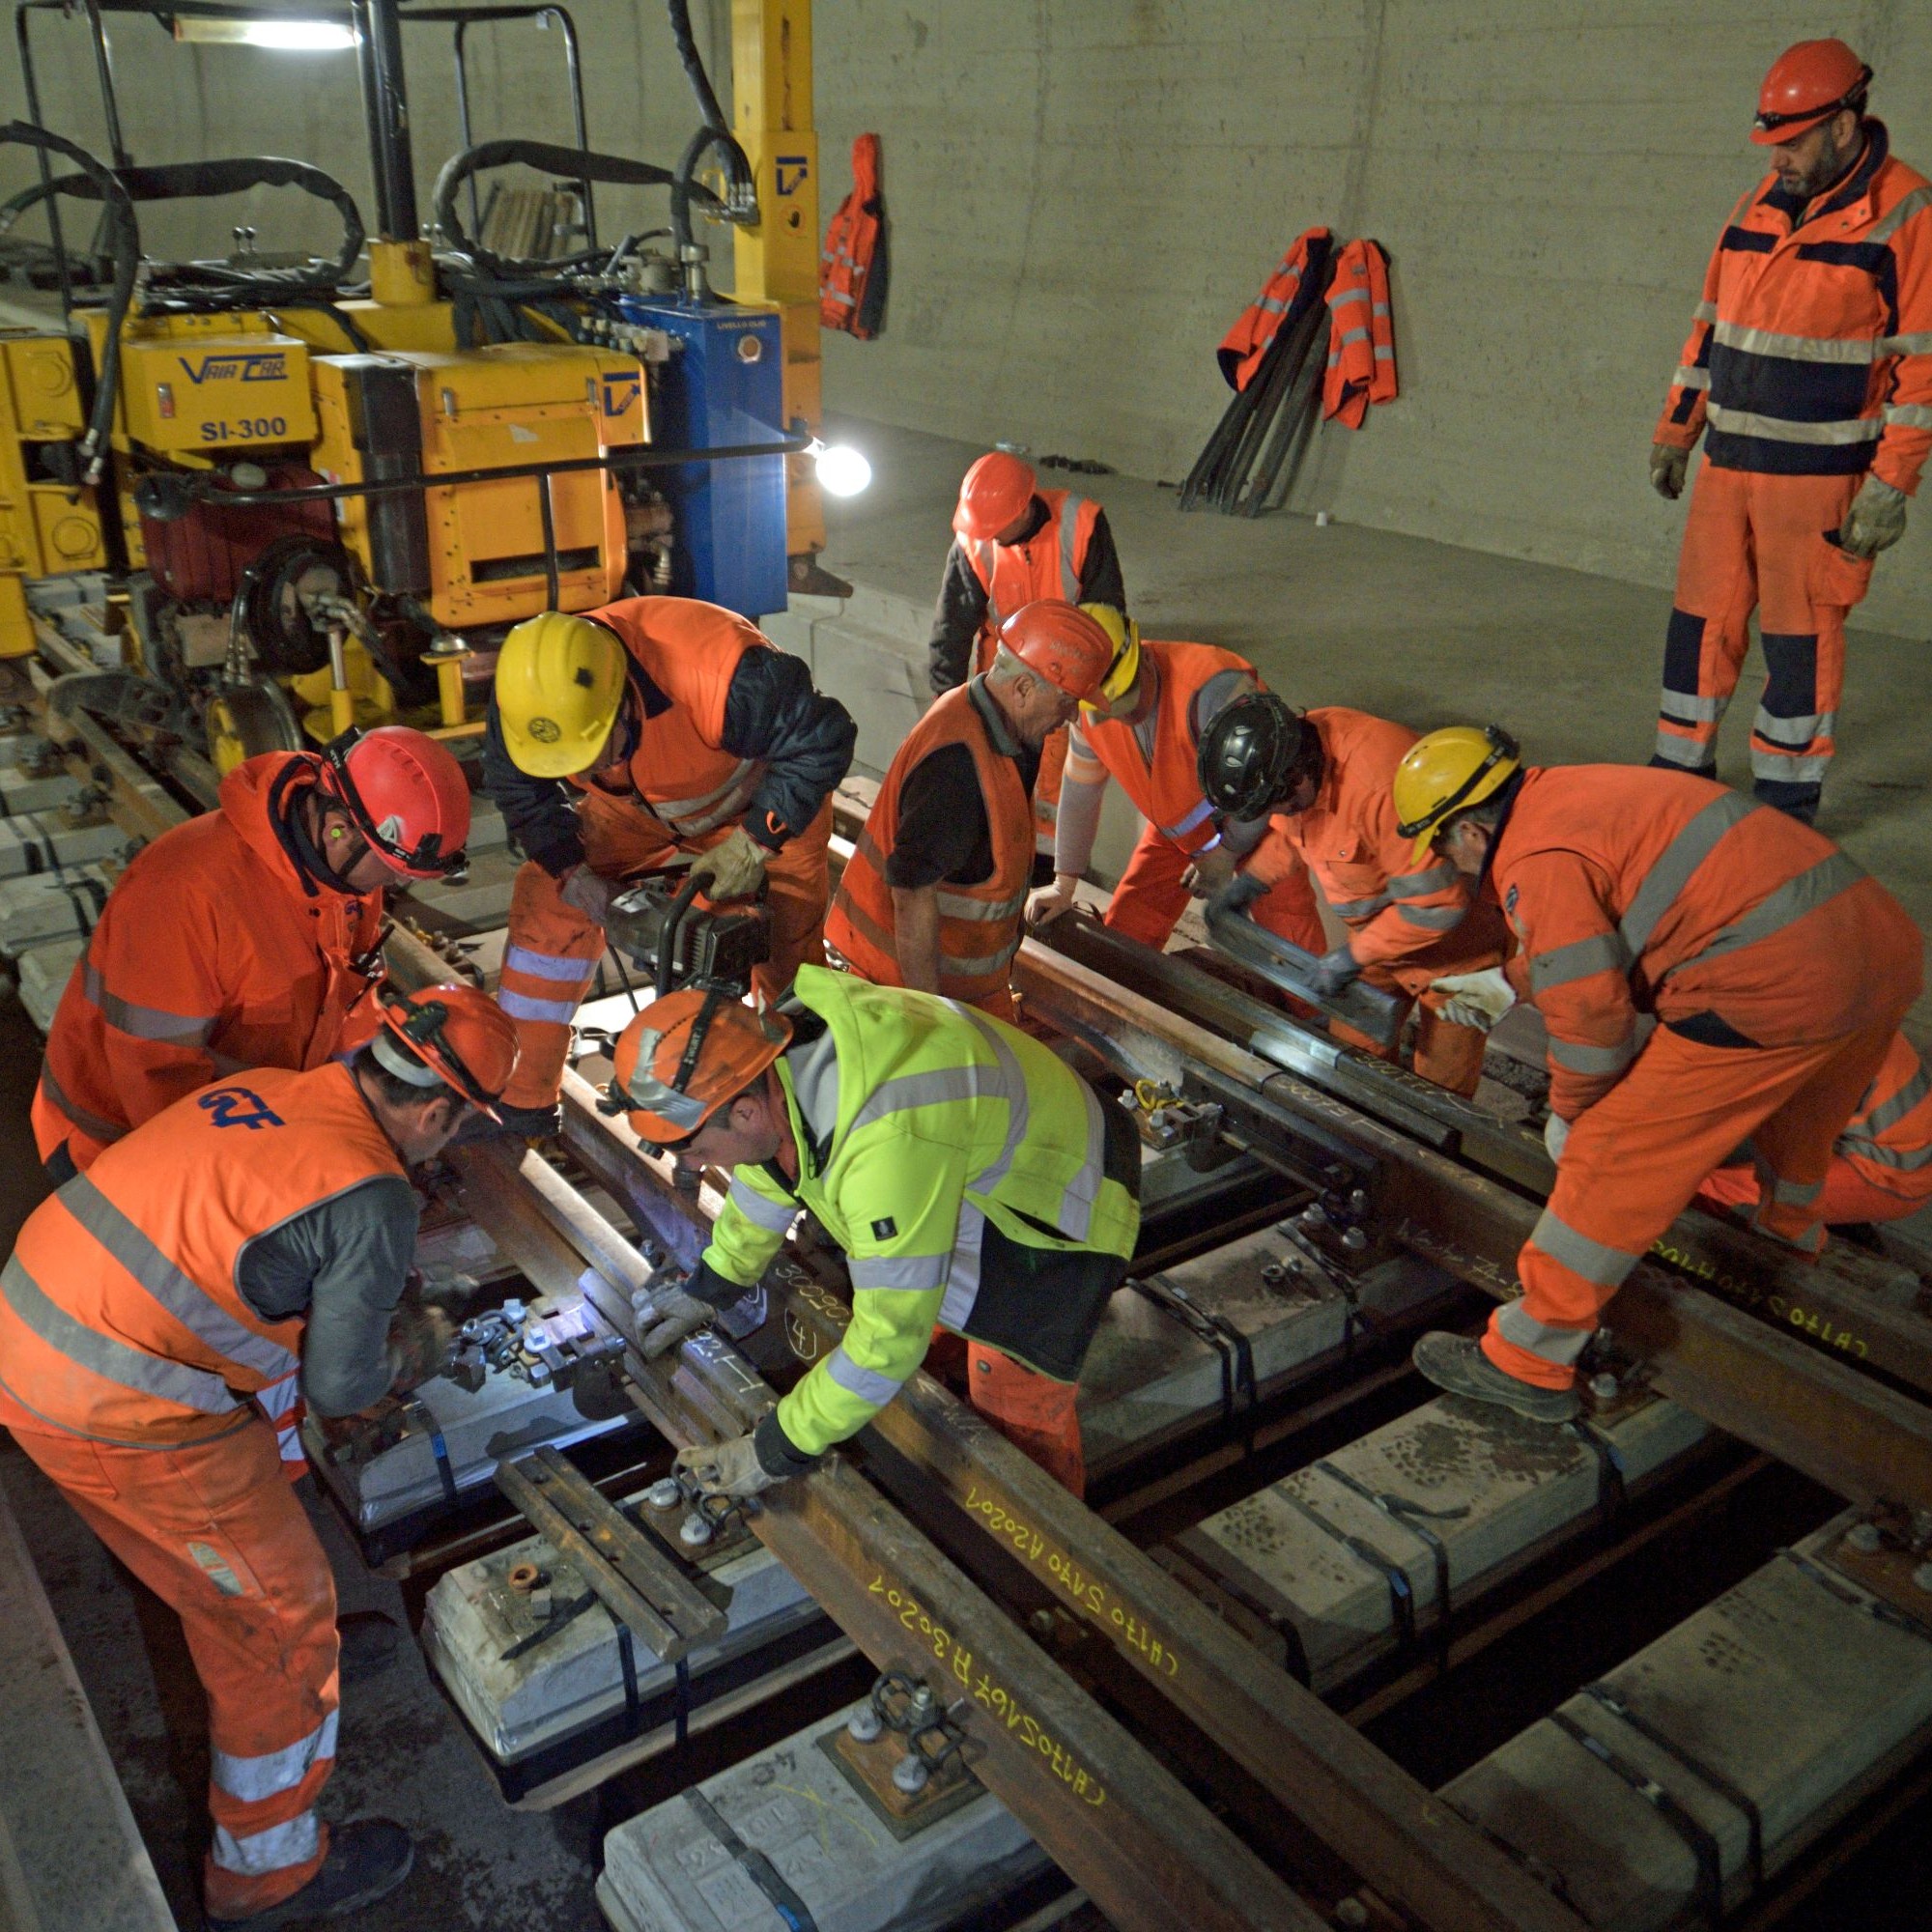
[1238, 1388]
[1610, 1473]
[627, 1663]
[786, 1902]
[682, 1711]
[438, 1448]
[1874, 1608]
[1402, 1596]
[1408, 1515]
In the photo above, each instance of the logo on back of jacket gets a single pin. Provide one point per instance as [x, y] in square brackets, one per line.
[238, 1107]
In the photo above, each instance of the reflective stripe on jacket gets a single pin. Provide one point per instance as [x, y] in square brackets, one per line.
[212, 954]
[1361, 335]
[1636, 890]
[1810, 353]
[118, 1315]
[1890, 1138]
[979, 925]
[853, 253]
[917, 1123]
[1283, 296]
[1047, 564]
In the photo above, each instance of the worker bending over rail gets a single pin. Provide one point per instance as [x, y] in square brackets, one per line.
[973, 1179]
[621, 738]
[1777, 973]
[261, 1226]
[933, 894]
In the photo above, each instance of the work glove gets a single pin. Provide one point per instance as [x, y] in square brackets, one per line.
[1875, 522]
[673, 1315]
[1667, 464]
[1211, 873]
[420, 1340]
[726, 1468]
[735, 865]
[1555, 1135]
[1334, 973]
[583, 890]
[1475, 999]
[1239, 895]
[1047, 904]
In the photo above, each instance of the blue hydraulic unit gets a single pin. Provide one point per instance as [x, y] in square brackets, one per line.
[723, 384]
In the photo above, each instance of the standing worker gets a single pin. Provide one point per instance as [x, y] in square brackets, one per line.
[1323, 781]
[1013, 544]
[1811, 363]
[254, 1228]
[1146, 728]
[618, 739]
[1777, 973]
[973, 1179]
[934, 891]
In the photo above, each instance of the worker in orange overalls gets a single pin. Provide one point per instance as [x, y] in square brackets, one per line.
[932, 895]
[1144, 728]
[1323, 779]
[1811, 363]
[261, 1226]
[1777, 973]
[621, 738]
[1015, 544]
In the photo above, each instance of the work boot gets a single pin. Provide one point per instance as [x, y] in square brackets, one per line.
[521, 1123]
[367, 1861]
[1458, 1365]
[368, 1642]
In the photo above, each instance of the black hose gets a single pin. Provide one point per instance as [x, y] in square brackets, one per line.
[715, 132]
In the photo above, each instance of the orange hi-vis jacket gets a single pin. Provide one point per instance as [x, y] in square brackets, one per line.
[1361, 336]
[1196, 683]
[979, 925]
[851, 248]
[1049, 563]
[1889, 1140]
[1350, 840]
[214, 953]
[120, 1319]
[1636, 889]
[689, 652]
[1810, 354]
[1293, 281]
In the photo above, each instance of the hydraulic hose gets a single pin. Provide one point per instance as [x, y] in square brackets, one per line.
[740, 196]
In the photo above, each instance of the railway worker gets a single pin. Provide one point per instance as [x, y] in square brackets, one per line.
[621, 738]
[262, 1224]
[1778, 973]
[934, 895]
[973, 1180]
[1013, 544]
[1321, 779]
[1810, 364]
[1145, 729]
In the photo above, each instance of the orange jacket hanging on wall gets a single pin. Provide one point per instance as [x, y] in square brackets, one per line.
[1286, 291]
[1361, 335]
[853, 269]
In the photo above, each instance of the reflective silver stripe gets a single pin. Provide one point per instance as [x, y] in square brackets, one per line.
[1805, 894]
[1076, 1208]
[520, 1007]
[1600, 953]
[256, 1853]
[225, 1064]
[1349, 335]
[1410, 885]
[1538, 1337]
[279, 1397]
[1692, 754]
[692, 815]
[1432, 919]
[91, 1125]
[548, 965]
[146, 1022]
[1781, 429]
[1907, 1161]
[253, 1779]
[1577, 1057]
[1382, 353]
[923, 1272]
[1689, 377]
[1890, 1112]
[962, 1284]
[103, 1356]
[937, 1087]
[1019, 1103]
[867, 1384]
[1272, 305]
[1359, 908]
[1672, 869]
[1046, 808]
[1704, 312]
[774, 1217]
[1811, 1243]
[1907, 416]
[1888, 224]
[955, 905]
[183, 1297]
[979, 964]
[1606, 1267]
[1795, 1193]
[1691, 710]
[1789, 767]
[1343, 300]
[1195, 819]
[1794, 734]
[1069, 572]
[1795, 348]
[815, 1085]
[1905, 345]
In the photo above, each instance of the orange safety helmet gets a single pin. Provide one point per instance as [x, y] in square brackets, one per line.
[1060, 642]
[993, 497]
[1807, 83]
[457, 1038]
[685, 1055]
[405, 794]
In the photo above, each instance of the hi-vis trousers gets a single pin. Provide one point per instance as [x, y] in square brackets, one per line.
[1151, 897]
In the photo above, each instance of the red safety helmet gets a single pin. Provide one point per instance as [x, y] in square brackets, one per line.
[1060, 642]
[457, 1038]
[404, 793]
[1807, 83]
[993, 497]
[685, 1055]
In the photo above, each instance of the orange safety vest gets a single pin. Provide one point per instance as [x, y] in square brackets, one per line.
[1889, 1140]
[688, 651]
[211, 957]
[1166, 790]
[852, 269]
[120, 1319]
[1284, 292]
[979, 925]
[1047, 564]
[1361, 335]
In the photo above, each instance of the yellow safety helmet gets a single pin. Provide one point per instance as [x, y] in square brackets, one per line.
[1124, 634]
[1447, 772]
[560, 687]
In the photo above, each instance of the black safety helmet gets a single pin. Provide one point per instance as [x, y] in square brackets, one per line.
[1250, 754]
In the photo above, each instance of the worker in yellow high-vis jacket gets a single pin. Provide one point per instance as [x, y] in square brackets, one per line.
[976, 1184]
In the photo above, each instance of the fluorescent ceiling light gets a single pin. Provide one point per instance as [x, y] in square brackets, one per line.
[303, 37]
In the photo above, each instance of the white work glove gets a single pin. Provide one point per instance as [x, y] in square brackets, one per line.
[1212, 872]
[583, 890]
[735, 865]
[728, 1468]
[674, 1312]
[1045, 905]
[1555, 1136]
[1875, 522]
[1667, 464]
[1475, 999]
